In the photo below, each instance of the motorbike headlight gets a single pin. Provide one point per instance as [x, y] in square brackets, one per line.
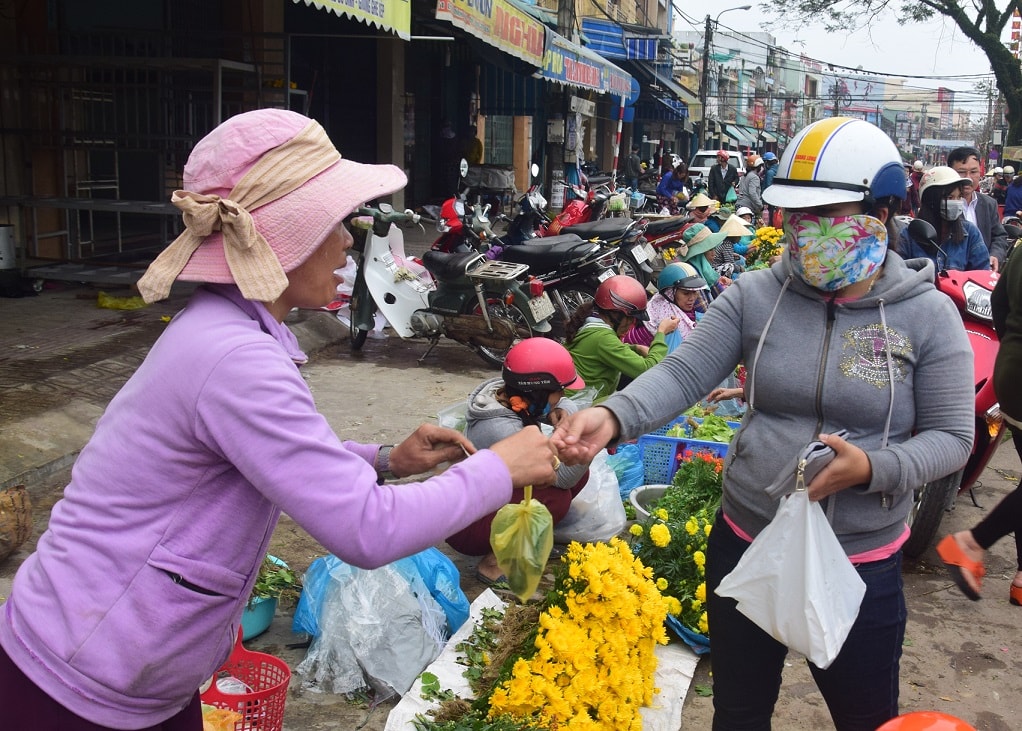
[977, 300]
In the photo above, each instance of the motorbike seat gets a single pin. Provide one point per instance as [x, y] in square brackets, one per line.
[549, 252]
[608, 229]
[448, 266]
[665, 226]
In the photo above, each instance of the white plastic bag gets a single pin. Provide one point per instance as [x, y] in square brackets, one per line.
[796, 583]
[596, 513]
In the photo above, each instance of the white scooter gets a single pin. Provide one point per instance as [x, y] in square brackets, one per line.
[487, 305]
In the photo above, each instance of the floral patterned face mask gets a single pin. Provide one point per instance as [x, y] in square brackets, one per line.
[832, 253]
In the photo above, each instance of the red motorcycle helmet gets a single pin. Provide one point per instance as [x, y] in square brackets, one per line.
[624, 294]
[926, 721]
[540, 364]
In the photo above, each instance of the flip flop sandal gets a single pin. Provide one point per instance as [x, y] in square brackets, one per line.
[1015, 596]
[499, 582]
[958, 563]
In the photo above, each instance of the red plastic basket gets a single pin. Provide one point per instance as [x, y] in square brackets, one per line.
[262, 709]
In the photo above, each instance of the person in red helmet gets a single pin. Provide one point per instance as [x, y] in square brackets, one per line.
[529, 393]
[593, 336]
[722, 177]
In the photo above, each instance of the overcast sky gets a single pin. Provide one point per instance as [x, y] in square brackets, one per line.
[936, 48]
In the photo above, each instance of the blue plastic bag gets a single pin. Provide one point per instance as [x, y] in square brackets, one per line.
[443, 580]
[437, 572]
[627, 464]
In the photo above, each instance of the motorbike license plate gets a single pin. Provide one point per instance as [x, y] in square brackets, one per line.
[605, 275]
[639, 252]
[541, 307]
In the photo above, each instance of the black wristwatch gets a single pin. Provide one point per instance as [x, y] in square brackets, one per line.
[382, 464]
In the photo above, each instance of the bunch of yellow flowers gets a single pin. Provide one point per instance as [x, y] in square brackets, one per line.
[767, 243]
[594, 661]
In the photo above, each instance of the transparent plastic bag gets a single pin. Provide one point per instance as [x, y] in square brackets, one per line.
[522, 537]
[374, 628]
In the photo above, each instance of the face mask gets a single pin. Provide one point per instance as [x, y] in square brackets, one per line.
[952, 209]
[832, 253]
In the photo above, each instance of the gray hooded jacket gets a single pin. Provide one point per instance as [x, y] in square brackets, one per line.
[816, 366]
[487, 421]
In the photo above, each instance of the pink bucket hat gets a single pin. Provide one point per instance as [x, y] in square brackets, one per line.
[300, 192]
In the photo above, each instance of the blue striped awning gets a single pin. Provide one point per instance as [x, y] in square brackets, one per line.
[610, 40]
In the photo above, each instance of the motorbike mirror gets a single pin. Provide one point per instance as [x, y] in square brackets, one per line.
[463, 168]
[924, 233]
[1013, 231]
[386, 208]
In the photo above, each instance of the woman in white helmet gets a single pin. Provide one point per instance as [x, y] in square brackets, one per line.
[838, 334]
[941, 204]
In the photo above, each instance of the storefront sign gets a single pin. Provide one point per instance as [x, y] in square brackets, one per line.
[395, 15]
[500, 24]
[569, 63]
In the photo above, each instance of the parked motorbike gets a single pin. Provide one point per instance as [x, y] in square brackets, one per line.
[484, 304]
[970, 291]
[584, 219]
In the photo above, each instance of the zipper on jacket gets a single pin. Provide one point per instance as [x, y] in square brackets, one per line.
[181, 581]
[831, 316]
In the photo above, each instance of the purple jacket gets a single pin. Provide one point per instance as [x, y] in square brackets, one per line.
[134, 595]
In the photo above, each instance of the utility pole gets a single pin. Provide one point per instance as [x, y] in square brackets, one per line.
[704, 80]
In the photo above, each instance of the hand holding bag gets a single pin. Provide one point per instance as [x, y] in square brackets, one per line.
[795, 581]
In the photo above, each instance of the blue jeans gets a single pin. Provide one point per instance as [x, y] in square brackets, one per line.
[861, 685]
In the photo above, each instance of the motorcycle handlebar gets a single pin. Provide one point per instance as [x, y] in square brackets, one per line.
[407, 216]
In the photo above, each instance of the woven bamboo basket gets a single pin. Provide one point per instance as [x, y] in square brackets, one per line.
[15, 519]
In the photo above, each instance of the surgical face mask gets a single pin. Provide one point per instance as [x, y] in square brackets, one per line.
[831, 253]
[951, 209]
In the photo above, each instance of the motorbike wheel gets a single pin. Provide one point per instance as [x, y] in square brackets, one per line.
[625, 267]
[356, 335]
[930, 502]
[503, 311]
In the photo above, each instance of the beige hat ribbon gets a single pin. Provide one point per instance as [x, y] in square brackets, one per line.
[253, 264]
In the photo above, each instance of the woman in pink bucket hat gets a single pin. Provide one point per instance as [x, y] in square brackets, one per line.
[134, 595]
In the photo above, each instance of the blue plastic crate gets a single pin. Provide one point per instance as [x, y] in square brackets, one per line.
[660, 453]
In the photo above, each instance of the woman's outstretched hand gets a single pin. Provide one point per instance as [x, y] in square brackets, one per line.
[427, 447]
[529, 456]
[580, 436]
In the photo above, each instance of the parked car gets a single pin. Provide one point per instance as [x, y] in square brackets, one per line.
[703, 160]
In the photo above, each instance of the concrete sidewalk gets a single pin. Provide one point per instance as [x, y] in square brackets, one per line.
[62, 358]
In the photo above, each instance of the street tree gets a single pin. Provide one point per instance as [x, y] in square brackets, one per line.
[981, 21]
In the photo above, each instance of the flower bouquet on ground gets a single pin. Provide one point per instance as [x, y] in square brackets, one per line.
[766, 244]
[672, 541]
[583, 658]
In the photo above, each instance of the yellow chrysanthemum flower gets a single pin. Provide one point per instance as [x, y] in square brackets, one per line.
[661, 513]
[661, 583]
[660, 534]
[635, 530]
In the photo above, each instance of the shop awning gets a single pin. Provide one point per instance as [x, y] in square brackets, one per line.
[393, 15]
[568, 63]
[741, 135]
[768, 136]
[500, 24]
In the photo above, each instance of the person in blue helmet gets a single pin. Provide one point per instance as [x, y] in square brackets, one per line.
[839, 334]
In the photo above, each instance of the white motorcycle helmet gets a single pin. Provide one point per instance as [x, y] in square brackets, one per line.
[1009, 170]
[917, 165]
[837, 160]
[997, 170]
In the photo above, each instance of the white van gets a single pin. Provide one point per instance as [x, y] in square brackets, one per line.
[703, 160]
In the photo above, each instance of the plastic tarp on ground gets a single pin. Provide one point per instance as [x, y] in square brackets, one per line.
[676, 666]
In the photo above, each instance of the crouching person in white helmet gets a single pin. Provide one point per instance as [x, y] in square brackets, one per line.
[836, 335]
